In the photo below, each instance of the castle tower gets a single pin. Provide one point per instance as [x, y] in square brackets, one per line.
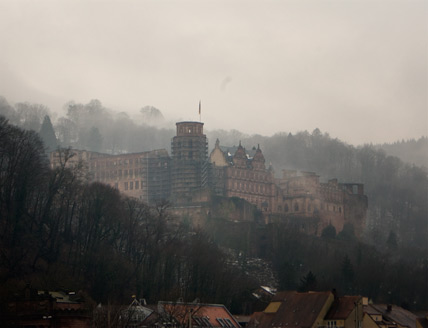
[189, 149]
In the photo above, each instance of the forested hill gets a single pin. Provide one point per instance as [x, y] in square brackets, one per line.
[397, 189]
[410, 151]
[56, 231]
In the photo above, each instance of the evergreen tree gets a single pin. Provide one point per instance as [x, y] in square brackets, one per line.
[47, 134]
[308, 282]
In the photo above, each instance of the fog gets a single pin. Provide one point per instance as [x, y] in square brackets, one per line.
[355, 69]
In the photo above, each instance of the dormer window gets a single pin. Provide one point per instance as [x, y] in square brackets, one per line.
[331, 324]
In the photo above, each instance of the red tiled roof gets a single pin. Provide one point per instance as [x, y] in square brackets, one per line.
[201, 314]
[342, 307]
[296, 310]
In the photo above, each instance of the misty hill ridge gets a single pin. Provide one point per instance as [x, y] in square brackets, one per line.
[397, 222]
[410, 151]
[396, 189]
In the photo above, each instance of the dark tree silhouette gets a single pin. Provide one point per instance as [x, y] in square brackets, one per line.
[47, 134]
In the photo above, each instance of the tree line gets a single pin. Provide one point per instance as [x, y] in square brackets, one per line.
[52, 222]
[59, 231]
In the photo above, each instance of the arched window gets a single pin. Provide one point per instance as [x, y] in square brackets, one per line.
[296, 207]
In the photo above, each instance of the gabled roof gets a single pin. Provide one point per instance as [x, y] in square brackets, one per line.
[203, 315]
[342, 307]
[293, 309]
[397, 314]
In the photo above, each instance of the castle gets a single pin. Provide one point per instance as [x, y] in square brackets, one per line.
[190, 176]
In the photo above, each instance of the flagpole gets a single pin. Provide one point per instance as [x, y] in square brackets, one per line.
[200, 116]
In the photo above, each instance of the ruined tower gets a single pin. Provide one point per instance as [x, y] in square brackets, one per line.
[189, 150]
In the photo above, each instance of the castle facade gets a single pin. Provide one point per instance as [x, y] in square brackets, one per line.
[189, 176]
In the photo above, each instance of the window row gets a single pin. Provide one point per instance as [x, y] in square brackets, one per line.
[296, 207]
[249, 175]
[250, 187]
[131, 185]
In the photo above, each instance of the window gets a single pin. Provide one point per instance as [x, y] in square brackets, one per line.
[126, 185]
[131, 185]
[286, 208]
[206, 321]
[296, 207]
[137, 184]
[198, 321]
[331, 323]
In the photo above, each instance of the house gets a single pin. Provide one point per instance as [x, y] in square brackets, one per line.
[346, 311]
[135, 315]
[33, 308]
[196, 315]
[387, 316]
[310, 310]
[294, 309]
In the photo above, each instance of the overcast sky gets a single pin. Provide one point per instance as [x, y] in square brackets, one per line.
[355, 69]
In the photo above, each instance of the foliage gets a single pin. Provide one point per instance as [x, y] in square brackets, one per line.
[59, 232]
[308, 283]
[47, 134]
